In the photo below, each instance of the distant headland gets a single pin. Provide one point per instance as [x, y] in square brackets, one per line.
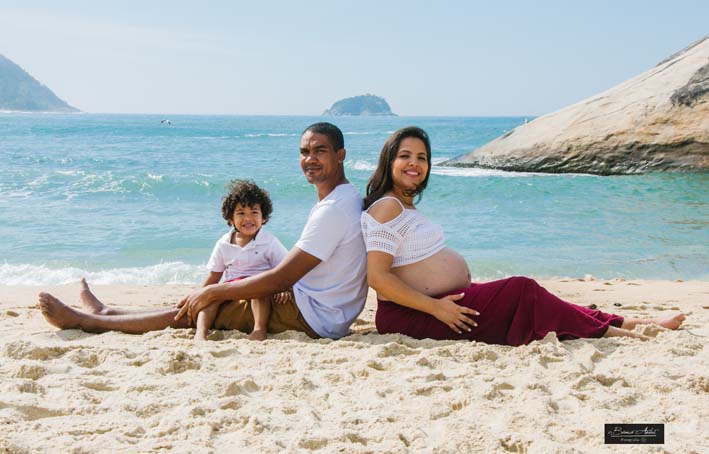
[19, 91]
[370, 105]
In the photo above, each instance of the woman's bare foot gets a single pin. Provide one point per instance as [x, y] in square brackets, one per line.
[673, 321]
[89, 300]
[612, 331]
[257, 335]
[57, 313]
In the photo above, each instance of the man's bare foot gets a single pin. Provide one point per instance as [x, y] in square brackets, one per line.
[671, 321]
[57, 313]
[89, 300]
[257, 335]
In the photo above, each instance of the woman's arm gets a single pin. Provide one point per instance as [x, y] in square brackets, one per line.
[390, 287]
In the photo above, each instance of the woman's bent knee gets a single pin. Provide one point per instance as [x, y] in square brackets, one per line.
[523, 280]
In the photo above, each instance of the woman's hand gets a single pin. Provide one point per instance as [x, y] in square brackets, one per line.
[193, 303]
[454, 315]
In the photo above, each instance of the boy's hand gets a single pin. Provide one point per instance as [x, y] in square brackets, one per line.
[283, 297]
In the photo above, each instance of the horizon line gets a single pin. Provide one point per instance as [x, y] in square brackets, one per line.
[81, 112]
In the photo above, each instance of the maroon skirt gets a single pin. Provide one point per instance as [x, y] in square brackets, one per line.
[513, 311]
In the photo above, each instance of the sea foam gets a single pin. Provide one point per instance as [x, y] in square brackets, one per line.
[476, 172]
[360, 165]
[163, 273]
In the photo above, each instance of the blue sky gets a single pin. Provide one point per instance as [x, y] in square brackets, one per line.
[296, 58]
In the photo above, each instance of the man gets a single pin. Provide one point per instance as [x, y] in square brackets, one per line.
[326, 268]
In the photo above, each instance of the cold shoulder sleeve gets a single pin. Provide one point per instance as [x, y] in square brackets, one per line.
[380, 237]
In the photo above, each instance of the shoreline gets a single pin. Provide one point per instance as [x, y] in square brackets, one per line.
[191, 275]
[69, 390]
[638, 294]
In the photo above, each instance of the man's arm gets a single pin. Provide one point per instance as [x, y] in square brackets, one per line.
[296, 265]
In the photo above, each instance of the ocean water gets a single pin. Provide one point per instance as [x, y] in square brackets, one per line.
[126, 199]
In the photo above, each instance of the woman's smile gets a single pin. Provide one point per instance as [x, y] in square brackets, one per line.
[410, 166]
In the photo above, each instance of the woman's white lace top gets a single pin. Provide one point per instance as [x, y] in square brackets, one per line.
[410, 237]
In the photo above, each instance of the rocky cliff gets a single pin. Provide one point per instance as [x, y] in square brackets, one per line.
[657, 121]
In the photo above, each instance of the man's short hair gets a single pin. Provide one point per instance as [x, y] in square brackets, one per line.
[332, 132]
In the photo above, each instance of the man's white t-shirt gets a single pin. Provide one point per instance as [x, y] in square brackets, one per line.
[333, 293]
[260, 254]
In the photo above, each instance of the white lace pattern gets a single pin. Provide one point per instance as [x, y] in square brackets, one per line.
[409, 238]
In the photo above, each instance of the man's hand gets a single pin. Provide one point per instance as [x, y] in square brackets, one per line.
[193, 303]
[297, 264]
[283, 297]
[454, 315]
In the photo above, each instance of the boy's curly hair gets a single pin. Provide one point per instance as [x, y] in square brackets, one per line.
[247, 193]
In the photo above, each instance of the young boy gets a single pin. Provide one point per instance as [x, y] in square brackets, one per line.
[245, 250]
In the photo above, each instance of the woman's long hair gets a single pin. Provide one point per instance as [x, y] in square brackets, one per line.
[381, 180]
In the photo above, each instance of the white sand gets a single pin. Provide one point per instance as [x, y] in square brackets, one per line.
[68, 391]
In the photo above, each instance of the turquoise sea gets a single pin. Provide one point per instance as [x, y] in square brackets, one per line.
[126, 199]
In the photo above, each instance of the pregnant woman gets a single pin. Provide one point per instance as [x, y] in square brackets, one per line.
[423, 287]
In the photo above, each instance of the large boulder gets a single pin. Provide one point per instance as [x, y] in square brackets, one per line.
[656, 121]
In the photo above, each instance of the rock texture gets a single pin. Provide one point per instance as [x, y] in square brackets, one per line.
[657, 121]
[360, 105]
[19, 91]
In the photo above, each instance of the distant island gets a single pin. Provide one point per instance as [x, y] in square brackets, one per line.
[360, 105]
[19, 91]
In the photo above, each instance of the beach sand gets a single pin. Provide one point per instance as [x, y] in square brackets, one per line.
[68, 391]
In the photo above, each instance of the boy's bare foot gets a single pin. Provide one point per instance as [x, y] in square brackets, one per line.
[257, 335]
[89, 300]
[672, 321]
[57, 313]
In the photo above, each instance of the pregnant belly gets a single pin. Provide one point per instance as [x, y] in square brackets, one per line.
[442, 272]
